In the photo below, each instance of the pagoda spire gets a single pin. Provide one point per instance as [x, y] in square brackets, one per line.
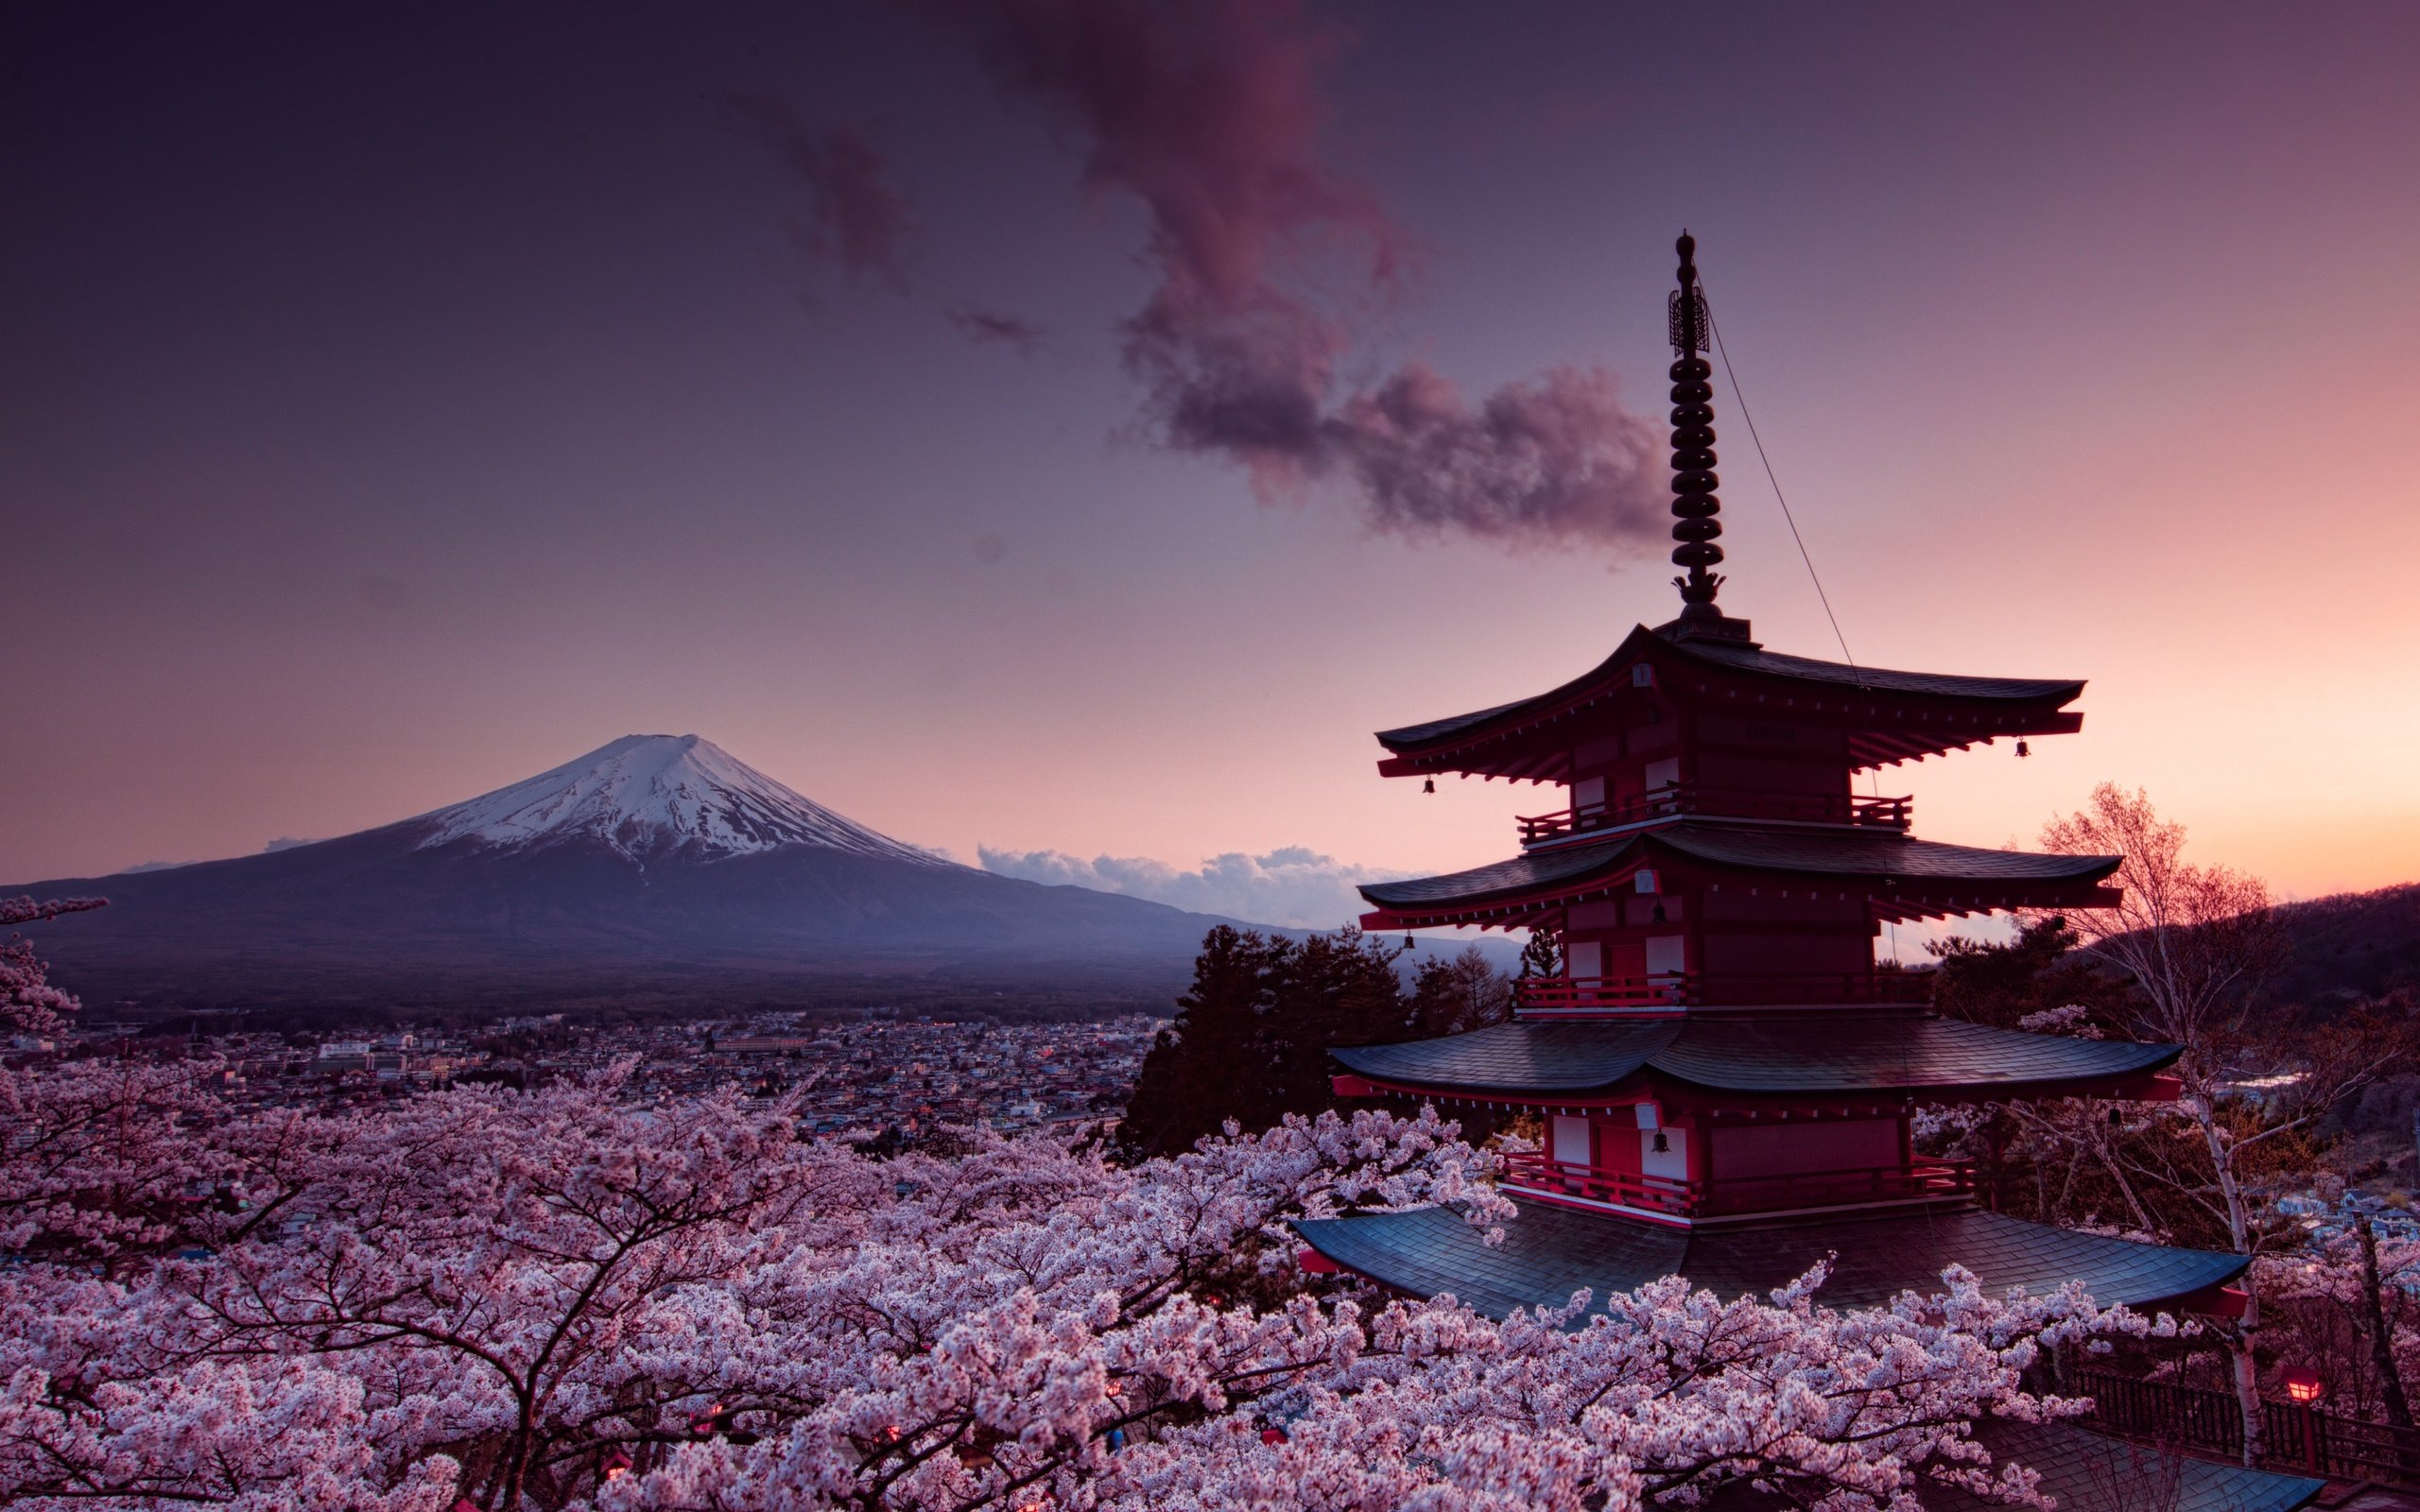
[1695, 504]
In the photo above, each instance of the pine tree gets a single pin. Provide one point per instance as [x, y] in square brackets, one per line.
[1455, 994]
[1252, 1032]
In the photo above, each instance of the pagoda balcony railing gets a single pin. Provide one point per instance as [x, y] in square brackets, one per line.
[1677, 989]
[1727, 1196]
[1734, 802]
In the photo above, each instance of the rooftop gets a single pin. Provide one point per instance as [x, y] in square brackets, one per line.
[1919, 871]
[1549, 1251]
[1865, 1053]
[1845, 693]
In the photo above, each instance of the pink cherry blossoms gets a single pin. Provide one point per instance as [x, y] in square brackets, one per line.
[28, 1001]
[569, 1297]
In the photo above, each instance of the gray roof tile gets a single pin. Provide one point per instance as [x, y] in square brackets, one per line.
[1777, 1053]
[1738, 658]
[2092, 1472]
[2085, 1471]
[1839, 854]
[1549, 1251]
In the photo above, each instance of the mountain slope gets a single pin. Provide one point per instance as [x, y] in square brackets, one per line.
[2350, 945]
[658, 794]
[656, 867]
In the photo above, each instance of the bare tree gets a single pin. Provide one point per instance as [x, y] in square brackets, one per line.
[2196, 942]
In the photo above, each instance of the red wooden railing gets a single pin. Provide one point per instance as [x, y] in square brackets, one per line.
[2300, 1436]
[1736, 802]
[1924, 1180]
[1667, 990]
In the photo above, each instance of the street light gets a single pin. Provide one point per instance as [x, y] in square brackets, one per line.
[2303, 1385]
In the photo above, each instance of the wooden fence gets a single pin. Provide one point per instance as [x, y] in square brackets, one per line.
[2210, 1422]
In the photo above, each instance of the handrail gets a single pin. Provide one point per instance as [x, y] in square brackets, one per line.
[1668, 989]
[1846, 1186]
[1736, 802]
[2299, 1435]
[1662, 989]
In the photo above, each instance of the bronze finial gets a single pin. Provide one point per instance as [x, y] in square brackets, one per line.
[1694, 501]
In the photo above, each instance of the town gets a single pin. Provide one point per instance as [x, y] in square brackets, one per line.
[879, 1077]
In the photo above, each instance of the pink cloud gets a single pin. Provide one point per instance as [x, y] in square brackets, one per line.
[1268, 259]
[851, 217]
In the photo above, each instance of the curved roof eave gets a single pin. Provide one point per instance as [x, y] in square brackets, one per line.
[1549, 1252]
[1734, 657]
[1890, 859]
[1902, 1055]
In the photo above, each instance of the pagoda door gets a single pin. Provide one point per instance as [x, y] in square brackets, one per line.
[1585, 960]
[1668, 963]
[1587, 801]
[1572, 1144]
[1661, 774]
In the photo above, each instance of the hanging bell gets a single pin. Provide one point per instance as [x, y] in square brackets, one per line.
[2022, 749]
[1663, 1145]
[1406, 939]
[1429, 786]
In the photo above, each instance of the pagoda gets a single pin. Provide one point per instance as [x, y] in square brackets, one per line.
[1723, 1075]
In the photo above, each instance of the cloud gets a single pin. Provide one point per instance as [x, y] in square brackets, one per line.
[1292, 886]
[1269, 262]
[851, 217]
[980, 325]
[284, 842]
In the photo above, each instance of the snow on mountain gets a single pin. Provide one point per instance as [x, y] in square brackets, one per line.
[649, 796]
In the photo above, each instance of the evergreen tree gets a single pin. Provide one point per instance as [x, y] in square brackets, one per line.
[1252, 1032]
[1998, 984]
[1455, 994]
[1542, 955]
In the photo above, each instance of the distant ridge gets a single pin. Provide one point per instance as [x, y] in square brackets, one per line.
[2351, 945]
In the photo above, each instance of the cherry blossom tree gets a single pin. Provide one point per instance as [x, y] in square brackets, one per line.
[28, 1001]
[577, 1297]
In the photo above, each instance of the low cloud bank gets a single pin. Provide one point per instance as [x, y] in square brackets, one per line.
[1293, 886]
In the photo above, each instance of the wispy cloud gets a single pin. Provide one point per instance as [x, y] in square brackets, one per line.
[1209, 113]
[980, 325]
[1293, 886]
[849, 216]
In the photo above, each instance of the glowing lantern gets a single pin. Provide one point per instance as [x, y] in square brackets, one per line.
[617, 1467]
[2303, 1385]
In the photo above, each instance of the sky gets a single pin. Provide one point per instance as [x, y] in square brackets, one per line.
[1060, 431]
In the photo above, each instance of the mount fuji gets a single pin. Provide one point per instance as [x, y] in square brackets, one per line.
[655, 869]
[657, 796]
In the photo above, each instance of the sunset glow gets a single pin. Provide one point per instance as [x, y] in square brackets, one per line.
[363, 458]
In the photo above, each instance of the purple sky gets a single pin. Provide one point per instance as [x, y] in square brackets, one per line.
[1058, 427]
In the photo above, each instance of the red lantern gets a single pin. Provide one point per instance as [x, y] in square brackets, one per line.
[2303, 1385]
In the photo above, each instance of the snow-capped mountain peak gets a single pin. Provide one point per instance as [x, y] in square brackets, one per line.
[649, 796]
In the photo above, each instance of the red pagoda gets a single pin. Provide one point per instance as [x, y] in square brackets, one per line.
[1723, 1075]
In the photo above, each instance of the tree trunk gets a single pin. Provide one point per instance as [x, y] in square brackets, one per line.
[2240, 1345]
[2398, 1408]
[2247, 1383]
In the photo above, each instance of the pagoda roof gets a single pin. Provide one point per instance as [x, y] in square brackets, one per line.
[1549, 1251]
[2014, 705]
[2093, 1472]
[2081, 1471]
[1547, 876]
[1783, 1053]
